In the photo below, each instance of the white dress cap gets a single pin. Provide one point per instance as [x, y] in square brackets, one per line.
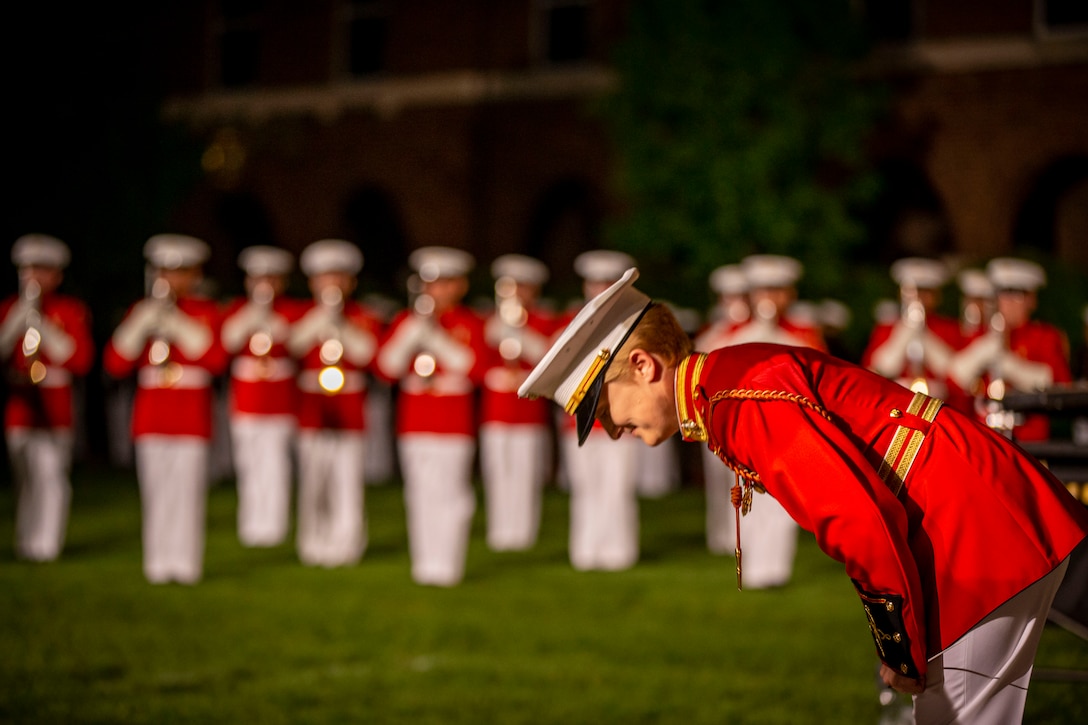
[729, 279]
[262, 260]
[975, 283]
[432, 263]
[768, 271]
[1008, 273]
[175, 251]
[919, 273]
[40, 250]
[520, 268]
[331, 255]
[573, 370]
[602, 265]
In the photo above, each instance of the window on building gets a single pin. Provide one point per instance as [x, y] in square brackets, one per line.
[1061, 17]
[367, 31]
[563, 30]
[239, 42]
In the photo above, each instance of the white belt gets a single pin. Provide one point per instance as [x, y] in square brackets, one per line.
[249, 369]
[173, 375]
[438, 384]
[354, 382]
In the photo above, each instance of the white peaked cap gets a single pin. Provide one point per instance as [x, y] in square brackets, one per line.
[520, 268]
[432, 263]
[602, 265]
[40, 250]
[262, 260]
[771, 270]
[975, 283]
[175, 251]
[835, 314]
[919, 273]
[572, 372]
[1018, 274]
[331, 255]
[729, 279]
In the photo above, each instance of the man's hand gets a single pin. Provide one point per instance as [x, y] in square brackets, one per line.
[897, 682]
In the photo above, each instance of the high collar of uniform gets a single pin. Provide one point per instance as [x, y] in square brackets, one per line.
[688, 374]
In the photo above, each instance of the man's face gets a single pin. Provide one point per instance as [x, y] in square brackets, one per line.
[183, 280]
[48, 278]
[341, 280]
[1016, 306]
[640, 403]
[447, 292]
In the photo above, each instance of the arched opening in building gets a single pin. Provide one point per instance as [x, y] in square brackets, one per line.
[1054, 216]
[908, 219]
[375, 223]
[566, 220]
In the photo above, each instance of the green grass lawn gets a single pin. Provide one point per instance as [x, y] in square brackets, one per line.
[525, 639]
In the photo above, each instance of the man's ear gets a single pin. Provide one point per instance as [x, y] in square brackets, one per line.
[644, 365]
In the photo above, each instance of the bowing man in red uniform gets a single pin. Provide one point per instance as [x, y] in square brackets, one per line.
[437, 353]
[170, 341]
[515, 434]
[335, 341]
[916, 349]
[1015, 353]
[45, 342]
[263, 395]
[955, 540]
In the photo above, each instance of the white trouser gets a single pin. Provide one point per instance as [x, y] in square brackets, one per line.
[512, 463]
[173, 477]
[603, 501]
[658, 469]
[439, 502]
[40, 462]
[983, 677]
[721, 518]
[331, 501]
[768, 538]
[262, 446]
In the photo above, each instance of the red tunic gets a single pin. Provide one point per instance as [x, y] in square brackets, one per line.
[945, 329]
[345, 409]
[499, 401]
[49, 403]
[265, 384]
[445, 401]
[1042, 343]
[162, 405]
[944, 536]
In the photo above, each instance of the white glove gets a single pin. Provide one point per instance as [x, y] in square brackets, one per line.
[193, 338]
[889, 359]
[13, 327]
[58, 344]
[131, 335]
[239, 327]
[938, 354]
[316, 325]
[449, 353]
[359, 344]
[1025, 374]
[405, 342]
[967, 365]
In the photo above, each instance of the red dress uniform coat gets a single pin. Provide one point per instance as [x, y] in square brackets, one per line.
[343, 410]
[499, 401]
[445, 401]
[937, 519]
[1041, 343]
[176, 401]
[49, 403]
[265, 384]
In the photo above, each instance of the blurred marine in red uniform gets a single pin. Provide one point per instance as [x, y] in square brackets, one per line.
[515, 434]
[335, 341]
[263, 395]
[437, 353]
[955, 540]
[170, 340]
[45, 342]
[1014, 353]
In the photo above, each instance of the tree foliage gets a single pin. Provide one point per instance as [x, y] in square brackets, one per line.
[739, 127]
